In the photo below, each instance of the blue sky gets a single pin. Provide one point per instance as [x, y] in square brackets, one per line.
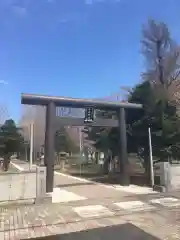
[78, 48]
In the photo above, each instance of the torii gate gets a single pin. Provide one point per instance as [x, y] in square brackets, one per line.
[53, 122]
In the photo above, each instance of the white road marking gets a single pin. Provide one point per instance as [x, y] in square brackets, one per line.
[21, 168]
[72, 177]
[17, 166]
[135, 189]
[134, 206]
[166, 202]
[92, 211]
[61, 195]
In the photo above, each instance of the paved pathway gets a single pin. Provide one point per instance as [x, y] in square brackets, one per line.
[22, 165]
[68, 188]
[92, 189]
[159, 219]
[86, 205]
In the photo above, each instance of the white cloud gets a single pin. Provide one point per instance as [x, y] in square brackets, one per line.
[3, 82]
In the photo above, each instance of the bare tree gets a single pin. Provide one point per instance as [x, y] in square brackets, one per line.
[33, 115]
[162, 56]
[37, 116]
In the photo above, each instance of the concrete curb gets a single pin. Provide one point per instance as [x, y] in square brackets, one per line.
[46, 199]
[17, 202]
[16, 166]
[159, 188]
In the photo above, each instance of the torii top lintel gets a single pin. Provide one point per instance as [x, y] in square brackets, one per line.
[36, 99]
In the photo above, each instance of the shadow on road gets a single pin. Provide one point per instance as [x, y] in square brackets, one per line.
[113, 179]
[118, 232]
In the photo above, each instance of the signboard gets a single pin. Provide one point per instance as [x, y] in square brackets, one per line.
[101, 155]
[101, 158]
[101, 161]
[89, 115]
[40, 182]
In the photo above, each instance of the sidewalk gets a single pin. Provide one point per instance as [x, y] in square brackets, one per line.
[22, 165]
[85, 205]
[48, 219]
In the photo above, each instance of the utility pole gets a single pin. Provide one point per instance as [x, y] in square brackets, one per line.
[80, 140]
[151, 157]
[31, 144]
[80, 147]
[26, 156]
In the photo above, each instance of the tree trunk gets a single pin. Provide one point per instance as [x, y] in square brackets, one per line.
[106, 166]
[147, 169]
[6, 163]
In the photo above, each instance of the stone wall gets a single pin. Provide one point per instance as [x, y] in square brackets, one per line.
[163, 176]
[175, 174]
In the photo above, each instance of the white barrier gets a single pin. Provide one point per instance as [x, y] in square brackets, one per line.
[175, 171]
[40, 183]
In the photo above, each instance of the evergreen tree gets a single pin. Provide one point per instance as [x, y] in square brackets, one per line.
[11, 141]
